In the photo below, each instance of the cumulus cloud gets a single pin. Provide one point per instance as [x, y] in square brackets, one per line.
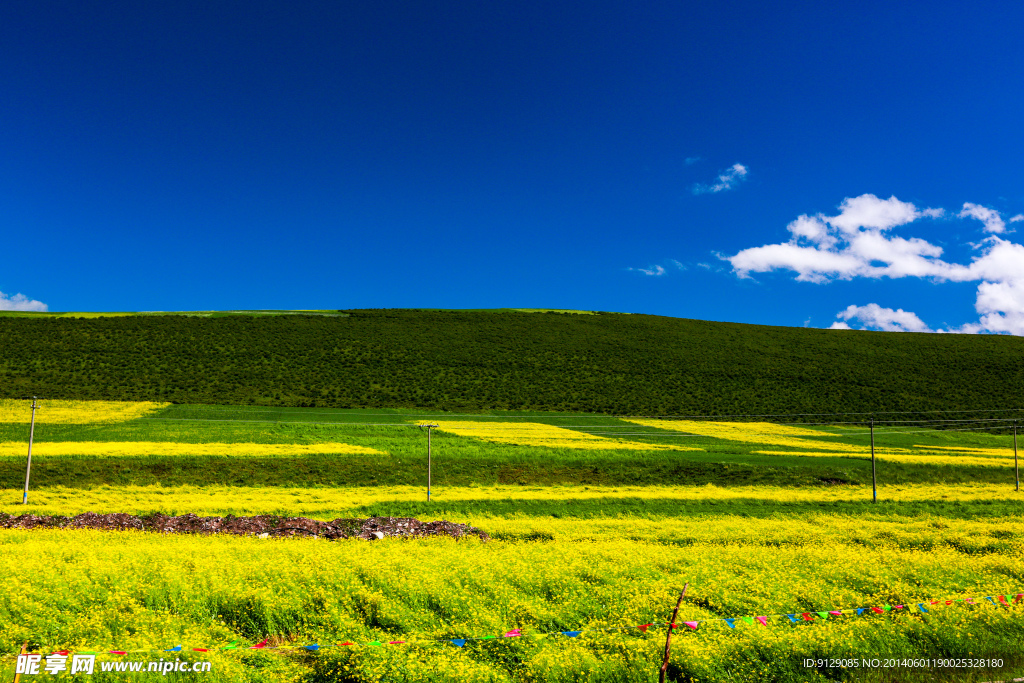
[20, 302]
[859, 242]
[876, 317]
[990, 217]
[727, 179]
[854, 243]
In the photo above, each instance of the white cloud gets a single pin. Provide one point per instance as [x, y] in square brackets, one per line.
[653, 270]
[20, 302]
[851, 244]
[840, 326]
[876, 317]
[868, 211]
[858, 243]
[659, 270]
[990, 217]
[1019, 217]
[727, 180]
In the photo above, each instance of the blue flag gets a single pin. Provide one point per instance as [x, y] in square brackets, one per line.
[174, 649]
[731, 623]
[792, 617]
[459, 642]
[314, 647]
[921, 607]
[571, 634]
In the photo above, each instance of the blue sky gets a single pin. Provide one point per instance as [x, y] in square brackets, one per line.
[640, 157]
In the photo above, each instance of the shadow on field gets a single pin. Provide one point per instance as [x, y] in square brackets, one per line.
[661, 508]
[310, 471]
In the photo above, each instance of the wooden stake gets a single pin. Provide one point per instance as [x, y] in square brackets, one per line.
[17, 677]
[668, 638]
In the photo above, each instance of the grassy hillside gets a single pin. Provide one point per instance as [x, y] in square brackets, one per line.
[475, 360]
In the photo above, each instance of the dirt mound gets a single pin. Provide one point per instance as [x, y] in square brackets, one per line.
[265, 526]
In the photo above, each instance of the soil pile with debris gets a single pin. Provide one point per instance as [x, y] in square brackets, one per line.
[264, 526]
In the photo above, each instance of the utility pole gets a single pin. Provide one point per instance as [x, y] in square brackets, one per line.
[874, 482]
[429, 427]
[1017, 471]
[31, 435]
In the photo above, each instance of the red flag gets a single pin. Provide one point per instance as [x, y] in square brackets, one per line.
[877, 610]
[199, 649]
[118, 652]
[807, 616]
[260, 645]
[396, 642]
[1002, 599]
[643, 627]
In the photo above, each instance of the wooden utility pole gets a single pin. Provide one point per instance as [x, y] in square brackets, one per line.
[874, 482]
[31, 435]
[429, 460]
[668, 637]
[1017, 471]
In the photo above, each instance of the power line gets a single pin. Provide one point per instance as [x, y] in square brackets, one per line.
[545, 415]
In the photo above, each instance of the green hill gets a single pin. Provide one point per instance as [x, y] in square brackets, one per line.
[503, 359]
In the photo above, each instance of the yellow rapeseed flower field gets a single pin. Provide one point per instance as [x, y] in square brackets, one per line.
[765, 433]
[172, 448]
[327, 503]
[904, 456]
[88, 590]
[547, 436]
[76, 412]
[977, 450]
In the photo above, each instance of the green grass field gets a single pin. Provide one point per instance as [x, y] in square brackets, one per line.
[469, 361]
[586, 535]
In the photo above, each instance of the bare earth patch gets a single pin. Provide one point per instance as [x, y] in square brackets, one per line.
[265, 526]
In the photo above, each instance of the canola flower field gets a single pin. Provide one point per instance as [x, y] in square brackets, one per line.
[563, 557]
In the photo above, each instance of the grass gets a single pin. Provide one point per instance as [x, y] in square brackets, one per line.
[540, 574]
[582, 538]
[475, 457]
[504, 359]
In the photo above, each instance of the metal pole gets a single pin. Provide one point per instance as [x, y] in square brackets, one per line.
[874, 481]
[31, 435]
[1016, 469]
[428, 464]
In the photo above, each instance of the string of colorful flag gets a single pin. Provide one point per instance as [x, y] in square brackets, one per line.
[732, 622]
